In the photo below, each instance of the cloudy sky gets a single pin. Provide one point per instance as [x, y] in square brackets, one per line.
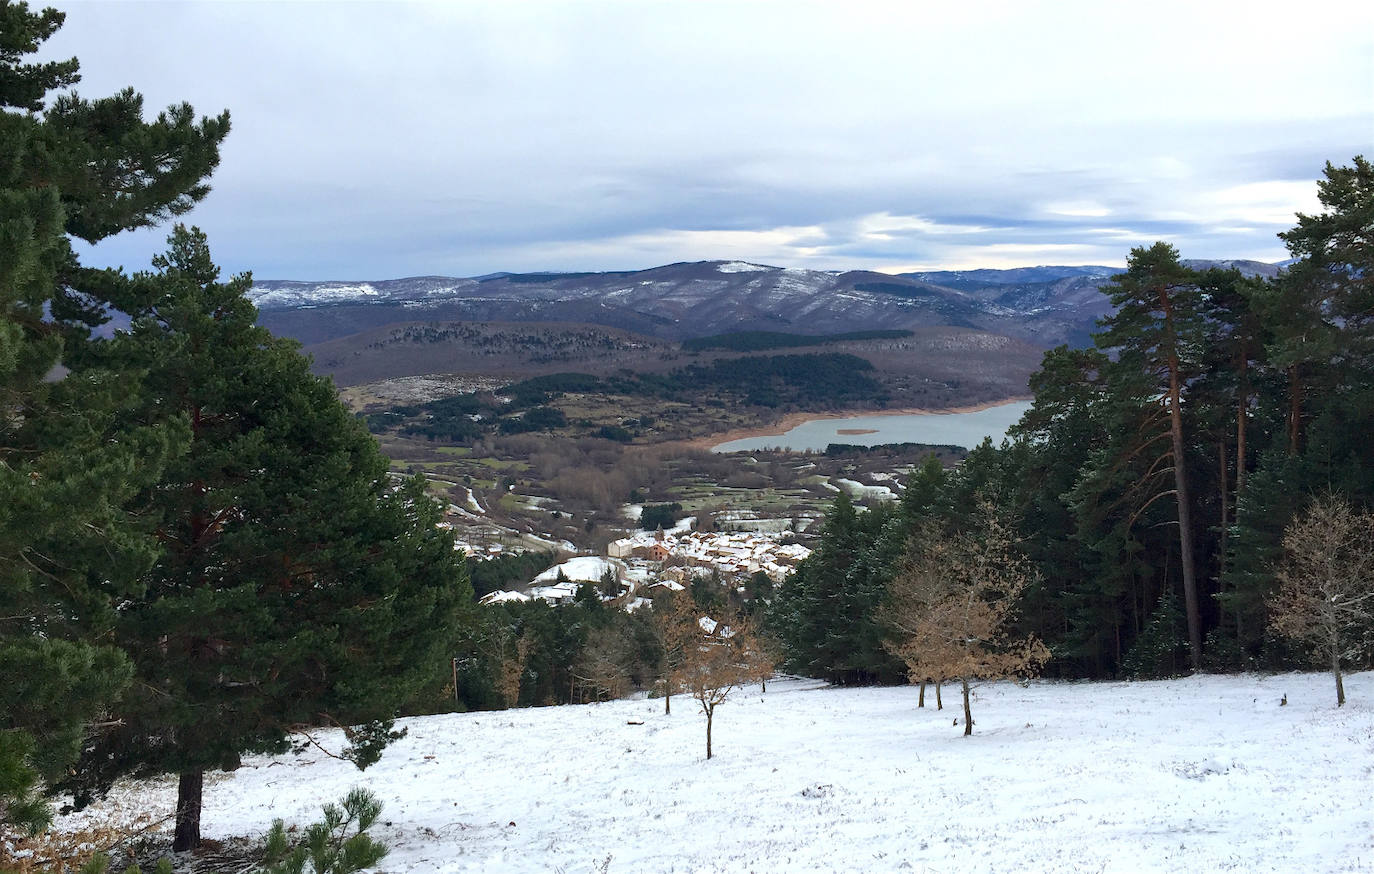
[379, 140]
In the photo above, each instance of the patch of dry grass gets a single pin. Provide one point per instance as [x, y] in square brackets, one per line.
[120, 835]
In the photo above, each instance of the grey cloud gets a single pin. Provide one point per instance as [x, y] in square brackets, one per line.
[377, 140]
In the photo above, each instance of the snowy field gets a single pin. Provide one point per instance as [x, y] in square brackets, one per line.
[1200, 774]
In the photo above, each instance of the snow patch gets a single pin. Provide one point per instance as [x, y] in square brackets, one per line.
[740, 267]
[863, 492]
[472, 501]
[327, 292]
[503, 597]
[583, 569]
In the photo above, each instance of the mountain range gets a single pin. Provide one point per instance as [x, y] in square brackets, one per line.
[1043, 306]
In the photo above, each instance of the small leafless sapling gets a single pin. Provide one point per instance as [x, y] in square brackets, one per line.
[723, 658]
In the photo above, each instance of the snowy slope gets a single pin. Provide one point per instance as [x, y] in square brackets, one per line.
[1201, 774]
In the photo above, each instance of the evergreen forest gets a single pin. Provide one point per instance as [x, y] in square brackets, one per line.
[1153, 479]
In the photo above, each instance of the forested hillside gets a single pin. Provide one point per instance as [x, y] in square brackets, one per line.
[1153, 480]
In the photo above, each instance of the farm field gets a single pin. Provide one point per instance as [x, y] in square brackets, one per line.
[524, 490]
[1207, 773]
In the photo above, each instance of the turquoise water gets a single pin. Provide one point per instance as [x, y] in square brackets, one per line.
[957, 429]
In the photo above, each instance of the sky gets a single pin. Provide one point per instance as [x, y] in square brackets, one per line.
[383, 140]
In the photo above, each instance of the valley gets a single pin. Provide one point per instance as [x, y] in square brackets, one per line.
[603, 420]
[542, 408]
[541, 492]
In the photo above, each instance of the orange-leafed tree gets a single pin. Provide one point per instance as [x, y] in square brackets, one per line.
[952, 606]
[675, 627]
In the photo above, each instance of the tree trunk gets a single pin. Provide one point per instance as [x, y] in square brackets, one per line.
[1185, 515]
[921, 699]
[1241, 417]
[968, 713]
[1224, 534]
[1294, 409]
[1336, 669]
[190, 787]
[710, 712]
[1185, 544]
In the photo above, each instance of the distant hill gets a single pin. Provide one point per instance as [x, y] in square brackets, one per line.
[937, 366]
[974, 280]
[1042, 306]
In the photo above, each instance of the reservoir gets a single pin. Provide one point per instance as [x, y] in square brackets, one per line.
[957, 429]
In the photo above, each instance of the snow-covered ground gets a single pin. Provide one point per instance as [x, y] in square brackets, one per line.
[859, 491]
[1200, 774]
[582, 568]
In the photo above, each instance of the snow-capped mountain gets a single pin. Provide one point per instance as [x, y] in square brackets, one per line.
[1042, 305]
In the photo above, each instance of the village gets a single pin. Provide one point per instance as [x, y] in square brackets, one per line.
[636, 565]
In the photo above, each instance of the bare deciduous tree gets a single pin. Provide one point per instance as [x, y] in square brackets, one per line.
[604, 665]
[1326, 583]
[952, 605]
[674, 623]
[722, 658]
[512, 668]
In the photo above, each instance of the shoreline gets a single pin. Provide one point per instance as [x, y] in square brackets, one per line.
[792, 420]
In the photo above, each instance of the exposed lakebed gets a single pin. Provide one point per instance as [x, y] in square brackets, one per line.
[965, 429]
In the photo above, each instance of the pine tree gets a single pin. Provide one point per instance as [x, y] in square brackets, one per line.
[1156, 333]
[802, 613]
[1156, 652]
[824, 615]
[69, 462]
[1337, 246]
[1319, 352]
[1230, 399]
[1050, 447]
[924, 493]
[296, 587]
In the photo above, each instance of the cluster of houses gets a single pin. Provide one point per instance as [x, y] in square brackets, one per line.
[731, 554]
[647, 560]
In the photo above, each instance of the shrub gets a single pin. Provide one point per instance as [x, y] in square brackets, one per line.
[327, 847]
[659, 516]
